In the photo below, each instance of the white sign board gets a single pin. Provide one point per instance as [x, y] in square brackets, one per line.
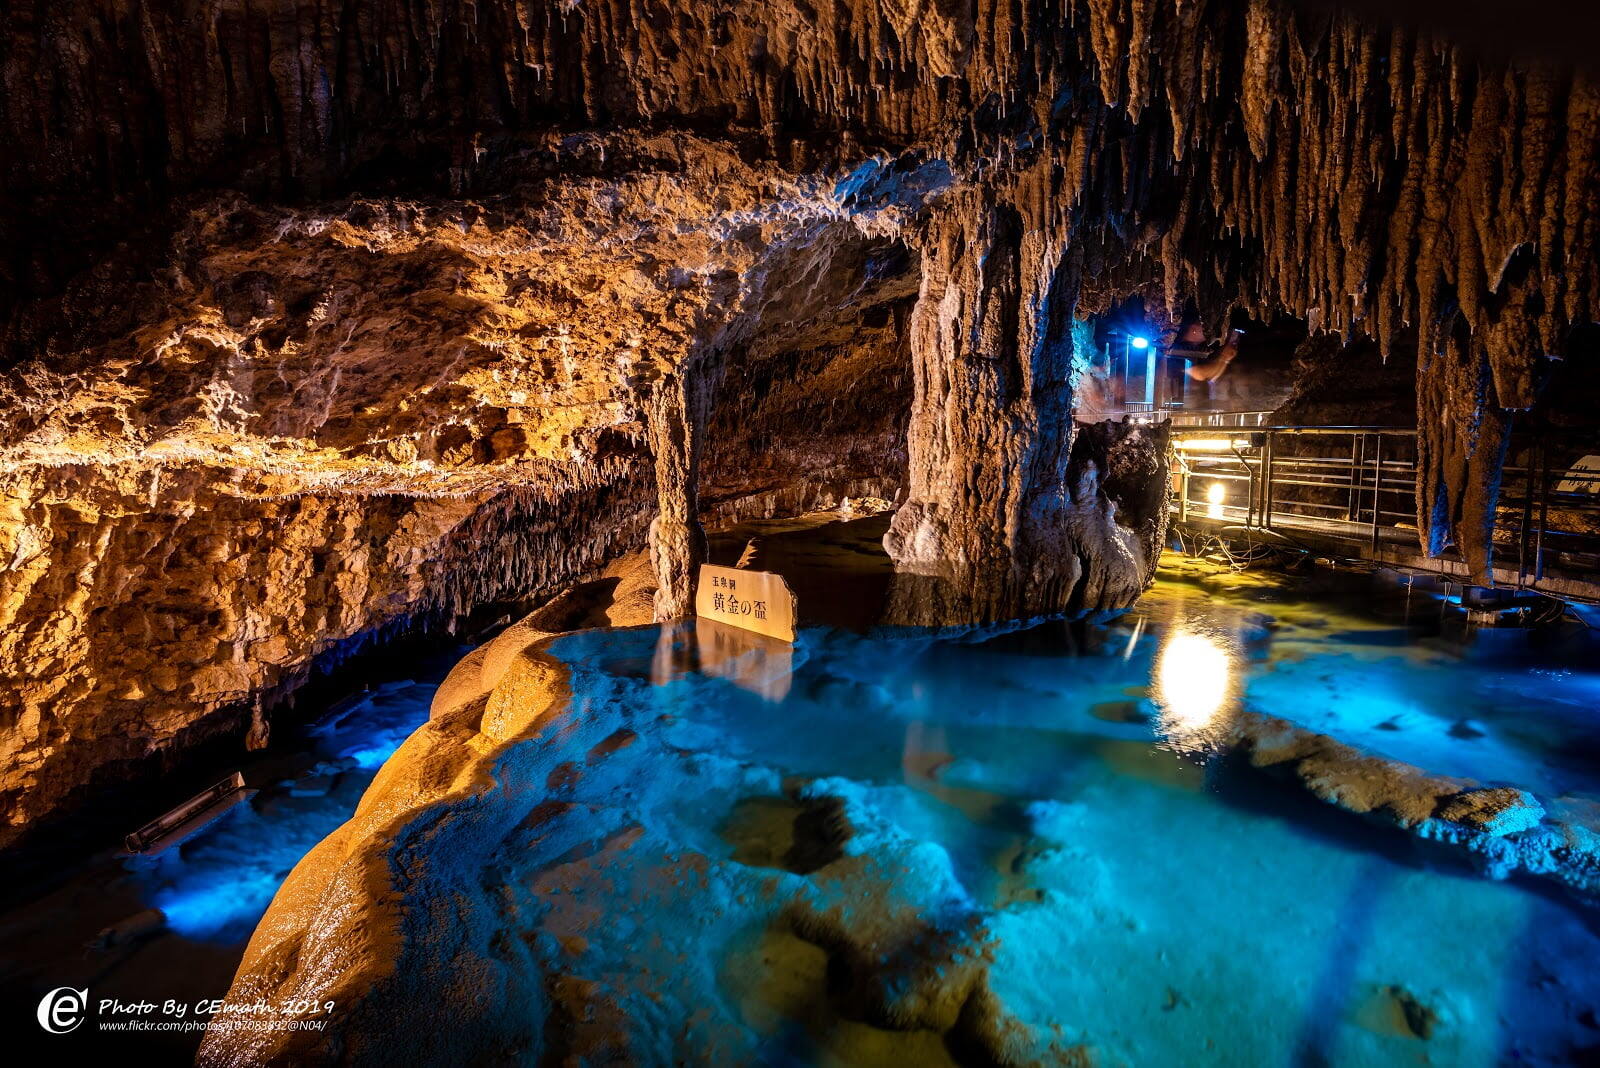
[1583, 477]
[755, 600]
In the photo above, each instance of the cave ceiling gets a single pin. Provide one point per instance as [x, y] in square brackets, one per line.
[323, 316]
[1375, 179]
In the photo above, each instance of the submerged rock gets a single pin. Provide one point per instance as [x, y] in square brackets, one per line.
[1503, 829]
[1120, 712]
[1419, 1018]
[1496, 810]
[313, 786]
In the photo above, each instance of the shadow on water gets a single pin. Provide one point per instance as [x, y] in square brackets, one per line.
[1235, 783]
[1549, 1010]
[1333, 996]
[1550, 987]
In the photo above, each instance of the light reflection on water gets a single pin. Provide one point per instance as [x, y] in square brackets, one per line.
[1193, 686]
[755, 662]
[1052, 773]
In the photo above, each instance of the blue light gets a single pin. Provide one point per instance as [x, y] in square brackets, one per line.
[1139, 342]
[217, 886]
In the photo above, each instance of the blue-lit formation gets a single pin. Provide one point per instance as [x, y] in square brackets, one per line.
[222, 881]
[1063, 787]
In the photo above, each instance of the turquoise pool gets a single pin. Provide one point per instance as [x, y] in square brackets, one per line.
[909, 849]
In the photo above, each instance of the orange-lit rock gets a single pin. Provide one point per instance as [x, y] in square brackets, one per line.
[382, 413]
[504, 306]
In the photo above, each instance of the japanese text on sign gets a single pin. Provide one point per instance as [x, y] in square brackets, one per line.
[755, 600]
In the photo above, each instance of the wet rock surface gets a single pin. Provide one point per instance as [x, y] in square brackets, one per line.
[593, 865]
[1505, 830]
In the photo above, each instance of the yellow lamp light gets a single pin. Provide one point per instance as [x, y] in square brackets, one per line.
[1212, 444]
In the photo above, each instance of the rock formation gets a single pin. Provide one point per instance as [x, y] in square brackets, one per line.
[535, 260]
[329, 424]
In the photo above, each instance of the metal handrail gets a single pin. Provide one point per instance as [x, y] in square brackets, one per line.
[1285, 428]
[1373, 490]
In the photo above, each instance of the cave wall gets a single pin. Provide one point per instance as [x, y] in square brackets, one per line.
[335, 422]
[140, 620]
[360, 253]
[1349, 385]
[812, 410]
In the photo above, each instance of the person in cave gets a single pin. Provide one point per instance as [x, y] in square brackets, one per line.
[1207, 360]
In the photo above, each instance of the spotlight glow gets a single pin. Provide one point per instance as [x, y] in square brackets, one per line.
[1215, 495]
[1211, 444]
[1139, 342]
[1194, 679]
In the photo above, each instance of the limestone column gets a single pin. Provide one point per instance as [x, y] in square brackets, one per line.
[1462, 437]
[1002, 519]
[675, 420]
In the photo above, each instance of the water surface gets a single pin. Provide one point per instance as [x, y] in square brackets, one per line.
[1059, 790]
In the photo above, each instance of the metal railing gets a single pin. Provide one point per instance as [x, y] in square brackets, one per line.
[1357, 486]
[1186, 418]
[1141, 411]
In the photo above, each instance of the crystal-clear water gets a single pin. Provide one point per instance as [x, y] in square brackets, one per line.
[753, 852]
[221, 882]
[214, 887]
[1056, 789]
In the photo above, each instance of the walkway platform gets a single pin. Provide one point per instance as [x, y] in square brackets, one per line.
[1350, 493]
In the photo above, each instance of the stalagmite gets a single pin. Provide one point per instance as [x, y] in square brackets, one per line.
[676, 422]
